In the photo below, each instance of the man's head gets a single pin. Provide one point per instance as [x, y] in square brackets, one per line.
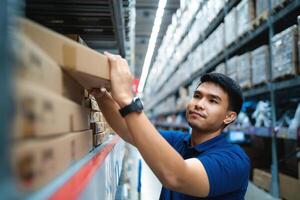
[215, 104]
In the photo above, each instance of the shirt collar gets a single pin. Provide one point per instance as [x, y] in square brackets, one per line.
[207, 144]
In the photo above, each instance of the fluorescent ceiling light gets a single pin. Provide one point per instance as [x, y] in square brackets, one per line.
[152, 42]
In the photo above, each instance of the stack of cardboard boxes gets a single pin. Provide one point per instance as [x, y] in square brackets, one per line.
[98, 123]
[51, 126]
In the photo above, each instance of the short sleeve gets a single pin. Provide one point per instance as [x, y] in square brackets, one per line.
[227, 171]
[172, 137]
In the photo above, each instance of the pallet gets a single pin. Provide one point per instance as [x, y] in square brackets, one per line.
[257, 85]
[284, 77]
[246, 86]
[280, 6]
[260, 19]
[245, 34]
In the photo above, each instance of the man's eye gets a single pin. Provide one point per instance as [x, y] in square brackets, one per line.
[213, 101]
[196, 96]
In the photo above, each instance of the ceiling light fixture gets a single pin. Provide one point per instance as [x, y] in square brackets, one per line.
[152, 42]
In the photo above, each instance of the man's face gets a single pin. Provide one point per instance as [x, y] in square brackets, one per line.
[208, 108]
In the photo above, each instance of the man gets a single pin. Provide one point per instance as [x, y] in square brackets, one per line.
[201, 165]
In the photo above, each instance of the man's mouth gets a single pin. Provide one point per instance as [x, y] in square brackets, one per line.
[197, 113]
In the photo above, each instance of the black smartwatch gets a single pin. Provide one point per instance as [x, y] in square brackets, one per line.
[135, 106]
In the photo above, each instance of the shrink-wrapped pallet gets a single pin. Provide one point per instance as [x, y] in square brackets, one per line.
[285, 53]
[245, 14]
[261, 7]
[221, 68]
[244, 70]
[231, 68]
[230, 27]
[260, 63]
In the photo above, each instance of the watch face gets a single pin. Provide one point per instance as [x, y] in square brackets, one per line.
[139, 104]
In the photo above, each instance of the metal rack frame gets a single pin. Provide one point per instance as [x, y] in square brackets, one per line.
[247, 39]
[112, 148]
[267, 28]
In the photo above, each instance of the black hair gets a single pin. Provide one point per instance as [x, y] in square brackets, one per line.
[233, 89]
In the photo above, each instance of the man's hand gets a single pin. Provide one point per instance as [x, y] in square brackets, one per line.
[121, 79]
[98, 93]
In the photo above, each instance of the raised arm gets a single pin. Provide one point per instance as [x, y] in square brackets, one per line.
[186, 176]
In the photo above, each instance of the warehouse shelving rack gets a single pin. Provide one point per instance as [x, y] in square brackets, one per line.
[5, 71]
[97, 174]
[238, 45]
[265, 30]
[215, 23]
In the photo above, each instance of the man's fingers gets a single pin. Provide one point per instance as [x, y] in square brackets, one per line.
[98, 92]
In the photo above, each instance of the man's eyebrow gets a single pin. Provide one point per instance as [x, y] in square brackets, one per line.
[215, 97]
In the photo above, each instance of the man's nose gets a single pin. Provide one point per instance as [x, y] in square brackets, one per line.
[200, 104]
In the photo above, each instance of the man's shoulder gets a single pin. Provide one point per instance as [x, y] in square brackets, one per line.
[174, 137]
[231, 151]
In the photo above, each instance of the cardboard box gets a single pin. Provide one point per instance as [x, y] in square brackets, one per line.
[221, 68]
[230, 27]
[34, 65]
[98, 138]
[96, 116]
[288, 186]
[77, 38]
[72, 89]
[285, 53]
[81, 144]
[36, 162]
[260, 64]
[244, 70]
[94, 105]
[262, 179]
[98, 127]
[88, 67]
[43, 113]
[261, 7]
[231, 68]
[245, 15]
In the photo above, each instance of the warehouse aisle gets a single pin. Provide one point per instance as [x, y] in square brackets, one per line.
[150, 184]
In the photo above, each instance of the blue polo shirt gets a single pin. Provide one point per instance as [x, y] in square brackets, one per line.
[226, 165]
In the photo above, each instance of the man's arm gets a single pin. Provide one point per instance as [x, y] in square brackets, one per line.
[110, 110]
[186, 176]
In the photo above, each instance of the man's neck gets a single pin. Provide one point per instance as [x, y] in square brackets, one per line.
[198, 138]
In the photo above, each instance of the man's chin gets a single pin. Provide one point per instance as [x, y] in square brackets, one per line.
[195, 126]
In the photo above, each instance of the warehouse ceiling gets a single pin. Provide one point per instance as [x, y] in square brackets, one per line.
[145, 15]
[102, 24]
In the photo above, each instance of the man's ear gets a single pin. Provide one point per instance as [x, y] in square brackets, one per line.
[230, 117]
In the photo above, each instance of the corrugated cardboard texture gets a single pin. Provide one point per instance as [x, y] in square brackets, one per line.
[33, 64]
[87, 66]
[288, 186]
[35, 162]
[43, 113]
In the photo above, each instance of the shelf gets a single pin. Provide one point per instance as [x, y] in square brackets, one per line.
[284, 84]
[264, 132]
[93, 168]
[238, 45]
[214, 24]
[102, 24]
[172, 125]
